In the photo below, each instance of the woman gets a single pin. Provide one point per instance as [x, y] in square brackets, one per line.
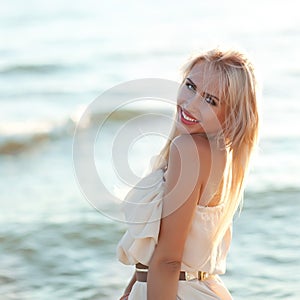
[180, 214]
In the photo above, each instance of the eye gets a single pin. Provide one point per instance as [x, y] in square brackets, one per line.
[190, 86]
[208, 98]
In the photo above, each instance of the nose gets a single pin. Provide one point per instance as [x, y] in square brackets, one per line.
[192, 104]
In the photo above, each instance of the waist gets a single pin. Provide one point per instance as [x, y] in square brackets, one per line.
[142, 272]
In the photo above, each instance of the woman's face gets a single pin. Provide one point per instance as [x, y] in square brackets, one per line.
[199, 107]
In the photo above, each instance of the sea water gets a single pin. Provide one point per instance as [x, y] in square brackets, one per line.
[59, 56]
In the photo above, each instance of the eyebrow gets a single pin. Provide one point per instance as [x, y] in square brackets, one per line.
[195, 87]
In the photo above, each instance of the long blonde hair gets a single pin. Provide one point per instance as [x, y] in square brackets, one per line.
[238, 89]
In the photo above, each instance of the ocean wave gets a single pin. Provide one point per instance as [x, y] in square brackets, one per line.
[30, 68]
[272, 192]
[16, 137]
[36, 68]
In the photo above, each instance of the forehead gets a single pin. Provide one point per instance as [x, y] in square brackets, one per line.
[206, 78]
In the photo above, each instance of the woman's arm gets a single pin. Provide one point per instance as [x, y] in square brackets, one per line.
[181, 195]
[129, 287]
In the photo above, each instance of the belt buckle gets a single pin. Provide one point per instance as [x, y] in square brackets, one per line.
[202, 275]
[190, 275]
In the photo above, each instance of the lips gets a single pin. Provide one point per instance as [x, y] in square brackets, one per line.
[186, 117]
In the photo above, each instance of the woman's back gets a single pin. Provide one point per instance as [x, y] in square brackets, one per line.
[145, 206]
[212, 166]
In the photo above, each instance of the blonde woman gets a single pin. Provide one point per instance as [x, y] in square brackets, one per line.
[180, 215]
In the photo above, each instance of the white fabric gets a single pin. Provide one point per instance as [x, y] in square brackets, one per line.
[143, 208]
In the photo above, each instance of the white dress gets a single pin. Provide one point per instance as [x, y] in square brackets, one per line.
[143, 208]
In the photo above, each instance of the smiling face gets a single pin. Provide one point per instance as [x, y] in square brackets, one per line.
[199, 104]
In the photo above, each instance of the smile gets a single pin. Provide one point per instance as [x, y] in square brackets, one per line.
[186, 118]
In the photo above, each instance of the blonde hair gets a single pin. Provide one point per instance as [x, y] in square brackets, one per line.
[239, 134]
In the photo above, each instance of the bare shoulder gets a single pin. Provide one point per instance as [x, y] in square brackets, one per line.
[185, 139]
[184, 165]
[188, 158]
[191, 147]
[194, 156]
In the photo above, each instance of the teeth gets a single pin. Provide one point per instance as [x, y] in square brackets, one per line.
[188, 118]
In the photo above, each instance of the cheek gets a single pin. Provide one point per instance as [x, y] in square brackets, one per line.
[207, 111]
[221, 116]
[210, 116]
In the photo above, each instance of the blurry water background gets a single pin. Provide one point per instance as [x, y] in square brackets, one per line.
[55, 58]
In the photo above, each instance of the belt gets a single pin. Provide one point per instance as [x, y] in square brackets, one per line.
[142, 272]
